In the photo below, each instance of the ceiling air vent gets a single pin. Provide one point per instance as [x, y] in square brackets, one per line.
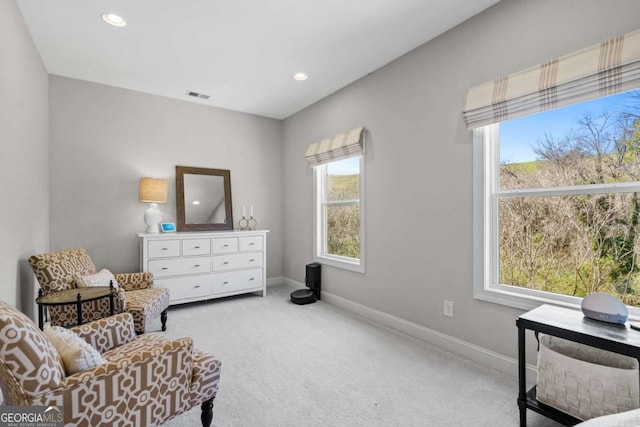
[196, 94]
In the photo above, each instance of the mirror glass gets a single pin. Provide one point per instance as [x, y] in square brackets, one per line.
[203, 199]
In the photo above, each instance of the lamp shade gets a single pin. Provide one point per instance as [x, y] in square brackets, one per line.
[153, 190]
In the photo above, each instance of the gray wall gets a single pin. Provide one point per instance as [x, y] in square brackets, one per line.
[24, 162]
[419, 162]
[103, 139]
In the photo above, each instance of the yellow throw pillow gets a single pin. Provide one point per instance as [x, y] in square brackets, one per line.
[77, 355]
[101, 278]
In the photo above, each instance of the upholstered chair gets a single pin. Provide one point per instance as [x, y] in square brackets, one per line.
[60, 270]
[142, 380]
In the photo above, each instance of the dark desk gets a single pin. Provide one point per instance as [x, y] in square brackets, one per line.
[73, 296]
[571, 325]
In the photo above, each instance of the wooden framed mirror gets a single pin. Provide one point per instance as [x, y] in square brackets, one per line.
[203, 199]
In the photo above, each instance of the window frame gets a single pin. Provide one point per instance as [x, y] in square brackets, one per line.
[320, 254]
[486, 193]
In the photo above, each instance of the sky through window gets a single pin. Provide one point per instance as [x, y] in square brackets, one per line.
[517, 136]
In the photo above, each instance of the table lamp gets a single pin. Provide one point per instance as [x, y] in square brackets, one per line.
[153, 191]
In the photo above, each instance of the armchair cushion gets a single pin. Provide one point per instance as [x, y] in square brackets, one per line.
[102, 278]
[77, 355]
[145, 342]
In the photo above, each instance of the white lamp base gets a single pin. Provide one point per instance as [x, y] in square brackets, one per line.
[153, 217]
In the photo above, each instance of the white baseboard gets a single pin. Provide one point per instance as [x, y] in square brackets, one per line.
[462, 348]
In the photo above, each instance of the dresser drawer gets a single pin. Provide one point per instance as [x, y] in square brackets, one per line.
[191, 247]
[232, 281]
[239, 260]
[179, 266]
[250, 243]
[225, 245]
[164, 248]
[187, 287]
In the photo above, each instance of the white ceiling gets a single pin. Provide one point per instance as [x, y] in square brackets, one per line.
[242, 53]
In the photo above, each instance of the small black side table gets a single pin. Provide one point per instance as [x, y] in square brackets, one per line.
[75, 296]
[573, 326]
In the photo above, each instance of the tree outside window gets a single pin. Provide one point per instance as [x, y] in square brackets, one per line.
[564, 200]
[339, 212]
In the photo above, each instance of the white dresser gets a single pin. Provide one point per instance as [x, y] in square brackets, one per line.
[197, 266]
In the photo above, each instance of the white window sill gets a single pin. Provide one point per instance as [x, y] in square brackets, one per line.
[521, 300]
[344, 264]
[528, 299]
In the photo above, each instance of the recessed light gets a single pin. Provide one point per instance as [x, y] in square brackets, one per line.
[300, 76]
[196, 202]
[113, 19]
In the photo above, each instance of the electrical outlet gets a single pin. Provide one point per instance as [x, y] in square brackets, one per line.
[448, 308]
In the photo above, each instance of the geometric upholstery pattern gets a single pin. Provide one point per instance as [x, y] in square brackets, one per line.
[34, 363]
[107, 333]
[57, 271]
[134, 281]
[146, 380]
[206, 370]
[146, 305]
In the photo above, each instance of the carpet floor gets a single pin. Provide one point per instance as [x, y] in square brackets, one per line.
[318, 365]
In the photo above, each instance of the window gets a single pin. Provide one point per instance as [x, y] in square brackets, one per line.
[338, 213]
[557, 204]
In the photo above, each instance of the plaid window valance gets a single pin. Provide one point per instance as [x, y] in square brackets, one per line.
[338, 147]
[605, 69]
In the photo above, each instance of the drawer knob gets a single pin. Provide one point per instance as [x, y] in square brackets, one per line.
[226, 262]
[253, 278]
[196, 247]
[225, 283]
[252, 260]
[252, 243]
[165, 249]
[196, 286]
[164, 268]
[225, 246]
[197, 265]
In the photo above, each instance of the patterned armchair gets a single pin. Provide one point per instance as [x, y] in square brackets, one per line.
[146, 380]
[57, 271]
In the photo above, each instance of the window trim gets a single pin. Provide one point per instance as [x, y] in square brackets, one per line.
[485, 228]
[319, 223]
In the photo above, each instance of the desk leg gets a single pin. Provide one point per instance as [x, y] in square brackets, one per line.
[522, 378]
[41, 316]
[111, 290]
[79, 309]
[40, 310]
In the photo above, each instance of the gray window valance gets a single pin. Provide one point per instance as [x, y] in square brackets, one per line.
[338, 147]
[605, 69]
